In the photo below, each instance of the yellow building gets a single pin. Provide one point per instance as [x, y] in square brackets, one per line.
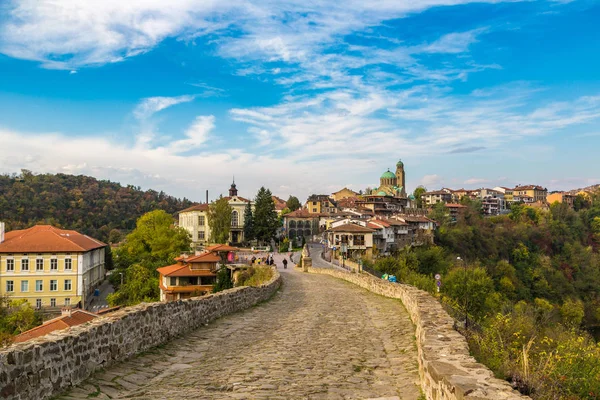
[50, 267]
[537, 193]
[561, 197]
[343, 194]
[319, 204]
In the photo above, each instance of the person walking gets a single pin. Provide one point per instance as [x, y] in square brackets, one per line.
[284, 263]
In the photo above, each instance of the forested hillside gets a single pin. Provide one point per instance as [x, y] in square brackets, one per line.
[83, 203]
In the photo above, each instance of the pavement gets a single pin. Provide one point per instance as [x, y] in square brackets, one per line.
[317, 338]
[95, 303]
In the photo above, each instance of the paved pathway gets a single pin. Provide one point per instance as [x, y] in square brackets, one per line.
[318, 338]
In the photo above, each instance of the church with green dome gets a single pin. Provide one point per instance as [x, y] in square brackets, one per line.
[392, 184]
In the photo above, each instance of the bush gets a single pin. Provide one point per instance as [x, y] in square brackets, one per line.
[255, 276]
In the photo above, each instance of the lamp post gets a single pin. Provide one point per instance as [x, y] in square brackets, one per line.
[466, 298]
[120, 273]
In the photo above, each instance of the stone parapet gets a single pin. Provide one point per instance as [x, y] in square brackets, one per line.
[44, 367]
[446, 368]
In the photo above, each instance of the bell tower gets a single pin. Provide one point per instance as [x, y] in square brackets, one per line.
[233, 189]
[400, 178]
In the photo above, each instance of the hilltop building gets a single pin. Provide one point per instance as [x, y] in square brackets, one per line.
[50, 267]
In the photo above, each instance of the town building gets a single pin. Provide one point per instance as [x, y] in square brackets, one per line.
[455, 211]
[438, 196]
[508, 193]
[301, 223]
[343, 194]
[280, 204]
[537, 193]
[561, 197]
[191, 276]
[195, 220]
[50, 267]
[351, 241]
[320, 204]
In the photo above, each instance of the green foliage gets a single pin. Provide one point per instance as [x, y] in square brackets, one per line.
[265, 216]
[572, 313]
[140, 285]
[155, 242]
[472, 289]
[16, 316]
[248, 223]
[219, 220]
[255, 276]
[284, 246]
[418, 192]
[293, 203]
[440, 213]
[224, 281]
[82, 203]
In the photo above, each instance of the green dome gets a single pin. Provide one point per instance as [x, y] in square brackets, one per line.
[410, 196]
[381, 193]
[388, 174]
[399, 163]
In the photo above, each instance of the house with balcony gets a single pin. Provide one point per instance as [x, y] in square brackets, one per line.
[189, 277]
[438, 196]
[351, 240]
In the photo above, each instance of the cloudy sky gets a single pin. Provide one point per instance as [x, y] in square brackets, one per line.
[302, 96]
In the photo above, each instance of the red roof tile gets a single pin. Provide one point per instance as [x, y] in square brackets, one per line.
[77, 317]
[46, 238]
[197, 207]
[351, 228]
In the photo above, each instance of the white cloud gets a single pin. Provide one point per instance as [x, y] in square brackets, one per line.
[430, 181]
[152, 105]
[476, 181]
[196, 135]
[457, 42]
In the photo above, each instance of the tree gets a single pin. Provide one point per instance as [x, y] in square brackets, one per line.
[140, 284]
[471, 289]
[265, 216]
[219, 220]
[248, 223]
[223, 280]
[155, 241]
[419, 191]
[440, 214]
[293, 203]
[16, 316]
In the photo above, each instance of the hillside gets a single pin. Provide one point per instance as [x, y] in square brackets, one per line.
[83, 203]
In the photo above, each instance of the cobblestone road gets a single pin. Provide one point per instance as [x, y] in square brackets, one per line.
[318, 338]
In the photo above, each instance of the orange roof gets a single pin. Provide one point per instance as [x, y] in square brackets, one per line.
[46, 238]
[183, 270]
[454, 205]
[77, 317]
[221, 247]
[204, 257]
[197, 207]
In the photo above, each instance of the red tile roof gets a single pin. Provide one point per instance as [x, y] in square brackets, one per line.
[77, 317]
[221, 247]
[183, 270]
[354, 228]
[454, 205]
[46, 238]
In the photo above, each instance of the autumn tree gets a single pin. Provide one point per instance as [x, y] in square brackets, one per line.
[219, 220]
[418, 193]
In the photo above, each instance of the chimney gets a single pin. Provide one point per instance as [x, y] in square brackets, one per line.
[1, 232]
[65, 312]
[206, 196]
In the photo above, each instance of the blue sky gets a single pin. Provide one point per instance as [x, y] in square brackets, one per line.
[302, 96]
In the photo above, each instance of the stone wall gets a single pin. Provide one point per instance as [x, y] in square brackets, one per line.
[446, 368]
[44, 367]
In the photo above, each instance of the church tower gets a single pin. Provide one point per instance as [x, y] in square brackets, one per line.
[233, 189]
[400, 178]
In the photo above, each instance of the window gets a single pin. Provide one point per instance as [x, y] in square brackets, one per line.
[24, 264]
[53, 285]
[201, 235]
[67, 284]
[24, 286]
[39, 286]
[10, 286]
[68, 264]
[38, 303]
[201, 220]
[39, 264]
[314, 203]
[67, 301]
[314, 210]
[53, 264]
[52, 302]
[173, 281]
[234, 218]
[10, 265]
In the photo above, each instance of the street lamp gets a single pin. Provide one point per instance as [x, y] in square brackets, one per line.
[120, 273]
[466, 298]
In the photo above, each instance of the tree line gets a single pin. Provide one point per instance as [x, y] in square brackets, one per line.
[101, 209]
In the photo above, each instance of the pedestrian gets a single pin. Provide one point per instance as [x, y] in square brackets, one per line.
[253, 260]
[284, 263]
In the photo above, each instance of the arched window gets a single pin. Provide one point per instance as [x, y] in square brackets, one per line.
[292, 233]
[292, 224]
[307, 232]
[234, 218]
[307, 224]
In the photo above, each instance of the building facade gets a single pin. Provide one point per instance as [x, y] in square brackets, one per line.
[50, 267]
[561, 197]
[438, 196]
[537, 193]
[191, 276]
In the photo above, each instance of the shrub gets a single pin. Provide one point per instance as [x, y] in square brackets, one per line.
[255, 276]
